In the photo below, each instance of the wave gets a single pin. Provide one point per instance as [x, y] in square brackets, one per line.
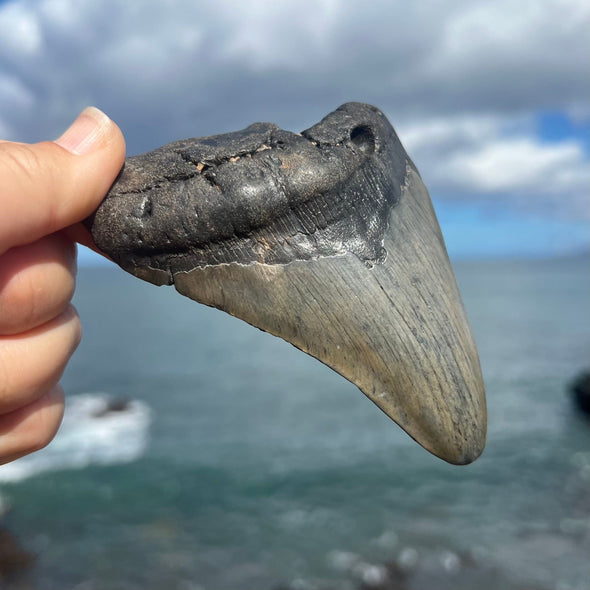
[97, 429]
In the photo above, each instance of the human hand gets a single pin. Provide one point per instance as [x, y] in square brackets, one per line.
[45, 190]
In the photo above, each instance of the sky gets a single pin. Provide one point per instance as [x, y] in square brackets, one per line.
[490, 98]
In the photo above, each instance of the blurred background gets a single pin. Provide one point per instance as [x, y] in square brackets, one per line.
[200, 453]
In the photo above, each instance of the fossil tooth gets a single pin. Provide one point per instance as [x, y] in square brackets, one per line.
[327, 239]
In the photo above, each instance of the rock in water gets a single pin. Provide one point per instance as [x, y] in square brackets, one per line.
[327, 239]
[14, 559]
[580, 391]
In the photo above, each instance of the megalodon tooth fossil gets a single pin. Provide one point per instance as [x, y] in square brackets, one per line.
[326, 238]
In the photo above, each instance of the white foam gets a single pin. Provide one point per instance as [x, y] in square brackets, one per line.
[343, 561]
[370, 574]
[91, 434]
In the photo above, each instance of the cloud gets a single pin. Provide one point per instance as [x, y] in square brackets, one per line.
[521, 164]
[461, 81]
[469, 157]
[20, 30]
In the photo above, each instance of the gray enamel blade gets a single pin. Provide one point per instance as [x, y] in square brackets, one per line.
[327, 239]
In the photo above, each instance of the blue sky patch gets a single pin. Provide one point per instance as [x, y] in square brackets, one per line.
[554, 126]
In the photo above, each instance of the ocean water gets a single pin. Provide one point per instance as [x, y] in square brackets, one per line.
[232, 470]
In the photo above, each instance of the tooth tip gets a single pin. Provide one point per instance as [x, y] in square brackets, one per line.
[446, 445]
[464, 458]
[468, 454]
[462, 444]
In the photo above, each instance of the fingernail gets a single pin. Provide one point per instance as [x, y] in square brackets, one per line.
[86, 133]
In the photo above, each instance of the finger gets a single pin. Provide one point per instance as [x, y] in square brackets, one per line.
[32, 427]
[36, 283]
[51, 185]
[79, 233]
[33, 362]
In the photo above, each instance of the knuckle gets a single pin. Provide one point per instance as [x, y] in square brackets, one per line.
[75, 326]
[36, 284]
[40, 439]
[5, 379]
[25, 300]
[26, 167]
[47, 419]
[19, 159]
[30, 303]
[22, 379]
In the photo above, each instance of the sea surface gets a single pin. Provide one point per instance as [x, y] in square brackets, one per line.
[240, 463]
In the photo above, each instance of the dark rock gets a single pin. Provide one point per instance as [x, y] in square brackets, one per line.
[14, 559]
[580, 391]
[113, 405]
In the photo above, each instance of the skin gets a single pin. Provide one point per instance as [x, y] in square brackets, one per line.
[46, 190]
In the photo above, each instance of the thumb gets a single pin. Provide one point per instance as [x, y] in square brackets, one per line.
[51, 185]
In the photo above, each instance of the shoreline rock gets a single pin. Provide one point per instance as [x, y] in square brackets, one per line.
[579, 389]
[14, 559]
